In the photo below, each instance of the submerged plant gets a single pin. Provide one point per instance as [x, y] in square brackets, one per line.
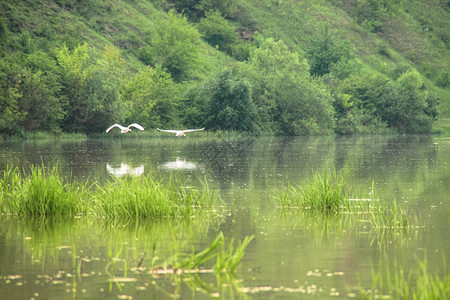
[321, 194]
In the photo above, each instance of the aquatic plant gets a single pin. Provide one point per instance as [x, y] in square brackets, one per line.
[228, 258]
[322, 194]
[326, 196]
[41, 192]
[146, 197]
[417, 283]
[44, 193]
[389, 216]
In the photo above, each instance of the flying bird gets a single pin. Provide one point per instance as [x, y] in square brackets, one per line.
[181, 132]
[124, 129]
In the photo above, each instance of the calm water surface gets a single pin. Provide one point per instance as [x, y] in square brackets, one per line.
[293, 254]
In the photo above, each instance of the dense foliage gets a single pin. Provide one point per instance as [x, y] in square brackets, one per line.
[265, 67]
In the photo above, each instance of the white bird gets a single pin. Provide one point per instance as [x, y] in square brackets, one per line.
[125, 169]
[124, 129]
[181, 132]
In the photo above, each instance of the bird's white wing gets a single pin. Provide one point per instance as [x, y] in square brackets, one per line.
[137, 126]
[171, 131]
[192, 130]
[115, 125]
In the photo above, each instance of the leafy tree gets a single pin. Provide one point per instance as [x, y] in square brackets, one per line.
[326, 50]
[227, 8]
[3, 31]
[230, 106]
[407, 106]
[356, 92]
[10, 114]
[187, 7]
[218, 31]
[174, 45]
[91, 87]
[195, 105]
[41, 99]
[288, 100]
[74, 69]
[153, 98]
[30, 97]
[196, 8]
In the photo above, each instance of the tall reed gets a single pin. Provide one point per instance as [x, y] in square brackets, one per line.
[145, 197]
[416, 283]
[322, 193]
[44, 193]
[389, 217]
[41, 193]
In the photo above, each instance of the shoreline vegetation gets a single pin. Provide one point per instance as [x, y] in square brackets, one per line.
[43, 135]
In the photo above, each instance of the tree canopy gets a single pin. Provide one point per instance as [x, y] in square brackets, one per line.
[263, 67]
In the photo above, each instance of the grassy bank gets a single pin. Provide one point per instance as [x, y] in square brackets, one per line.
[45, 135]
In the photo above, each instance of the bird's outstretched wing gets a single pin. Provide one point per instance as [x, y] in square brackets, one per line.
[170, 131]
[115, 125]
[137, 126]
[192, 130]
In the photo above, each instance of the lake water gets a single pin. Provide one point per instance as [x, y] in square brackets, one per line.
[293, 255]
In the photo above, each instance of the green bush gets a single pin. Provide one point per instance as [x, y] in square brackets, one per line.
[218, 31]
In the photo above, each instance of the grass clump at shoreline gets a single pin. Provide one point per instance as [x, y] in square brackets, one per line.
[40, 192]
[46, 135]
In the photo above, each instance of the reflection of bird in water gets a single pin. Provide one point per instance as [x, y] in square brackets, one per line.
[125, 169]
[181, 132]
[124, 129]
[179, 164]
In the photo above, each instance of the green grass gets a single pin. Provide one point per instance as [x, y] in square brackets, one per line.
[145, 197]
[43, 193]
[442, 126]
[43, 135]
[322, 193]
[326, 196]
[389, 217]
[400, 283]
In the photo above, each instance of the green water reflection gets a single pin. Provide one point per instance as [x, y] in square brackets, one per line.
[293, 254]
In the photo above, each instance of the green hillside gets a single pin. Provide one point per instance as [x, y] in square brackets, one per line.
[263, 66]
